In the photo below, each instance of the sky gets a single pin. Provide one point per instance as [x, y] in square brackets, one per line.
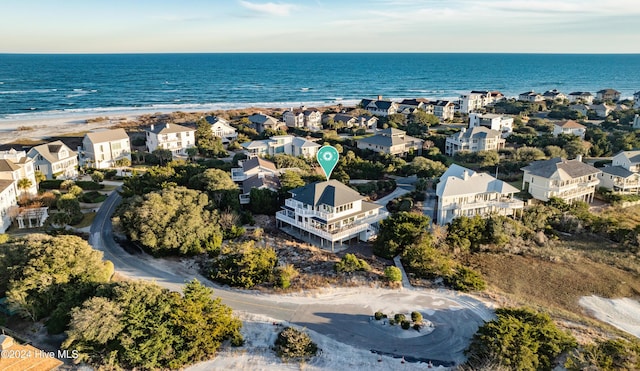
[158, 26]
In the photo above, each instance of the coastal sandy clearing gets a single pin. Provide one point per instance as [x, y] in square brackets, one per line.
[623, 313]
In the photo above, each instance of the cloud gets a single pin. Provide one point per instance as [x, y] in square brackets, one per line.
[271, 9]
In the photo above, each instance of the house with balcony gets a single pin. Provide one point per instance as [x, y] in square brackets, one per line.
[350, 121]
[478, 138]
[104, 149]
[8, 201]
[262, 122]
[391, 141]
[464, 192]
[501, 123]
[281, 144]
[174, 137]
[266, 181]
[602, 110]
[54, 160]
[478, 99]
[220, 128]
[608, 95]
[530, 96]
[554, 95]
[15, 165]
[569, 127]
[580, 97]
[569, 180]
[623, 175]
[253, 166]
[379, 107]
[443, 109]
[407, 106]
[304, 118]
[329, 213]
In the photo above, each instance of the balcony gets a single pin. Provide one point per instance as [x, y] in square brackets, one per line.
[307, 212]
[360, 225]
[238, 175]
[504, 203]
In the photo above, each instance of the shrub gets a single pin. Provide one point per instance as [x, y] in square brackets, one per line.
[294, 344]
[416, 316]
[97, 176]
[285, 274]
[75, 190]
[405, 325]
[67, 184]
[89, 185]
[378, 316]
[466, 279]
[393, 274]
[4, 238]
[399, 317]
[50, 184]
[392, 322]
[245, 265]
[92, 197]
[417, 326]
[350, 263]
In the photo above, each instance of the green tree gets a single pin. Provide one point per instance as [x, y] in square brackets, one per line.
[222, 191]
[39, 176]
[529, 154]
[97, 176]
[399, 231]
[424, 168]
[519, 339]
[264, 201]
[161, 156]
[244, 265]
[290, 180]
[554, 151]
[69, 205]
[24, 184]
[172, 221]
[606, 355]
[294, 344]
[393, 274]
[48, 275]
[351, 263]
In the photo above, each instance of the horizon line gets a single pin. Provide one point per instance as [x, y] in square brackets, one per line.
[318, 52]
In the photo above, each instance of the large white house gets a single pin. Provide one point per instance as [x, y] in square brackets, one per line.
[443, 109]
[329, 213]
[379, 107]
[220, 128]
[364, 122]
[608, 94]
[530, 96]
[8, 200]
[391, 141]
[15, 165]
[569, 180]
[54, 160]
[174, 137]
[104, 149]
[463, 192]
[501, 123]
[262, 122]
[624, 173]
[308, 118]
[478, 138]
[569, 127]
[580, 97]
[281, 144]
[478, 99]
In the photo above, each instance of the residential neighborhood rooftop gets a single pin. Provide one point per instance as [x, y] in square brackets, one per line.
[107, 135]
[566, 169]
[331, 192]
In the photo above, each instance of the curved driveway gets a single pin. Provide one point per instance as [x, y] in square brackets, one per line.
[456, 317]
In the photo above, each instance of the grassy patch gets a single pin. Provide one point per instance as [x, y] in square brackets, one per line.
[87, 219]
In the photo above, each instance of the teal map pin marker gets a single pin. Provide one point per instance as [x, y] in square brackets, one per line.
[327, 157]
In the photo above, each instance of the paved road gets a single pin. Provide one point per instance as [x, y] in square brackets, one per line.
[456, 317]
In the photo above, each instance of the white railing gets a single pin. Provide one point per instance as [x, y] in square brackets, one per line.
[237, 175]
[307, 212]
[502, 204]
[334, 234]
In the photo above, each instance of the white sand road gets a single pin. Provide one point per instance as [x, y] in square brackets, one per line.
[623, 313]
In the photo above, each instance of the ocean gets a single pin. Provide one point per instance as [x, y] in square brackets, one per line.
[43, 85]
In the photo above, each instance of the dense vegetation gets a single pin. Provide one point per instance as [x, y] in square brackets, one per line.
[244, 265]
[293, 344]
[140, 325]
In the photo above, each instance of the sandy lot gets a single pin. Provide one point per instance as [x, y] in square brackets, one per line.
[623, 313]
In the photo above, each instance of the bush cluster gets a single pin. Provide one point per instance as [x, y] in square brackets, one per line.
[294, 344]
[350, 263]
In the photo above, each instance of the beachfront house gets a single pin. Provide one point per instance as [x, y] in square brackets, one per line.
[569, 127]
[501, 123]
[608, 95]
[443, 109]
[15, 166]
[624, 173]
[464, 192]
[174, 137]
[602, 110]
[530, 96]
[350, 121]
[262, 122]
[478, 99]
[569, 180]
[478, 138]
[379, 107]
[554, 95]
[54, 160]
[8, 202]
[304, 118]
[220, 128]
[104, 149]
[392, 142]
[281, 144]
[329, 213]
[580, 97]
[408, 106]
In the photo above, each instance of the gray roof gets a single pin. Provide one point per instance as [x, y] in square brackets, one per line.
[608, 91]
[168, 128]
[255, 162]
[477, 132]
[581, 94]
[332, 193]
[302, 143]
[617, 171]
[343, 117]
[389, 137]
[632, 156]
[107, 135]
[7, 165]
[473, 183]
[266, 181]
[50, 150]
[380, 104]
[567, 169]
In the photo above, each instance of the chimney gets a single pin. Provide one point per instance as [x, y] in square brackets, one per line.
[579, 158]
[465, 175]
[167, 126]
[379, 97]
[152, 127]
